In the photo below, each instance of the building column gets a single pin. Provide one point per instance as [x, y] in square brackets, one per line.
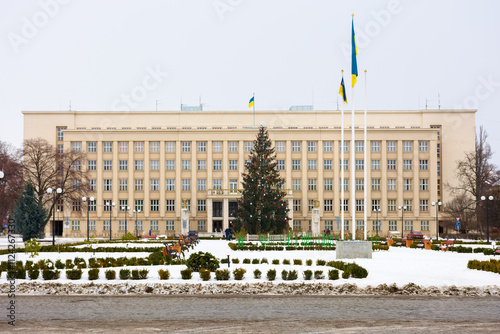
[225, 214]
[210, 223]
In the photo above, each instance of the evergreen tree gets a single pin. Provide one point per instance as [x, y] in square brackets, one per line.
[262, 207]
[29, 216]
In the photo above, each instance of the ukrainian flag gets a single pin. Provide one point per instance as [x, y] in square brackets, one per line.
[251, 102]
[342, 90]
[354, 66]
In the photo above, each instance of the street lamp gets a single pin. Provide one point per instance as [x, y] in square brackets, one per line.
[483, 198]
[110, 212]
[50, 191]
[84, 200]
[378, 225]
[402, 208]
[437, 205]
[136, 212]
[125, 208]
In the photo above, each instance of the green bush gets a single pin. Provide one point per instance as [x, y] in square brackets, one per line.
[255, 261]
[200, 260]
[284, 274]
[222, 275]
[264, 260]
[156, 258]
[50, 274]
[309, 262]
[135, 274]
[58, 264]
[143, 274]
[80, 263]
[292, 275]
[239, 273]
[69, 264]
[333, 274]
[357, 271]
[285, 261]
[204, 274]
[128, 236]
[246, 261]
[223, 260]
[488, 251]
[320, 262]
[346, 274]
[276, 261]
[74, 274]
[187, 273]
[307, 274]
[124, 273]
[235, 261]
[33, 273]
[93, 274]
[257, 274]
[271, 274]
[318, 274]
[164, 274]
[297, 262]
[110, 274]
[93, 263]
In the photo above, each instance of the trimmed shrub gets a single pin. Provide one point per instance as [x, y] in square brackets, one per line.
[143, 274]
[235, 261]
[307, 274]
[69, 264]
[135, 274]
[255, 261]
[74, 274]
[93, 274]
[93, 263]
[346, 275]
[164, 274]
[33, 273]
[276, 261]
[271, 274]
[58, 264]
[50, 274]
[264, 260]
[124, 273]
[187, 273]
[297, 262]
[318, 274]
[284, 275]
[286, 261]
[222, 275]
[246, 261]
[292, 275]
[80, 263]
[257, 274]
[18, 273]
[239, 273]
[110, 274]
[320, 262]
[309, 262]
[357, 271]
[200, 260]
[223, 260]
[204, 274]
[156, 258]
[333, 274]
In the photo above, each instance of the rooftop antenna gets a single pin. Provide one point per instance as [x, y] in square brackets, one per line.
[439, 102]
[69, 105]
[425, 103]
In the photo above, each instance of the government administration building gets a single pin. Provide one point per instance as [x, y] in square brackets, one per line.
[158, 163]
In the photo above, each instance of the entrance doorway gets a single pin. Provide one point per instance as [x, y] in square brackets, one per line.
[58, 228]
[217, 226]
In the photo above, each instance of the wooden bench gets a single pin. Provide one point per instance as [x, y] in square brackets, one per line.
[446, 245]
[175, 250]
[497, 251]
[148, 236]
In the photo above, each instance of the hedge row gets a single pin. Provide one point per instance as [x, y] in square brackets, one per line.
[491, 265]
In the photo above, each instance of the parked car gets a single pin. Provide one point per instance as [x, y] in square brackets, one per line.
[416, 235]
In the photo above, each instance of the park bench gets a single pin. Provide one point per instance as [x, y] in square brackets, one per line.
[175, 250]
[420, 245]
[497, 251]
[446, 245]
[148, 236]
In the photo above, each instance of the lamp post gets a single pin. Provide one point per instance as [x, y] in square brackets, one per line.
[84, 200]
[483, 198]
[136, 212]
[402, 208]
[110, 212]
[125, 208]
[378, 225]
[437, 205]
[57, 191]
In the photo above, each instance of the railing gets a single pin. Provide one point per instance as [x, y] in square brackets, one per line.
[212, 192]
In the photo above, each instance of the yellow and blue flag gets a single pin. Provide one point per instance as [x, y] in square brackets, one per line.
[342, 91]
[251, 102]
[354, 65]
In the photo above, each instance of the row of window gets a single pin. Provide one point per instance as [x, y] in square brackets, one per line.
[154, 225]
[360, 205]
[154, 146]
[138, 205]
[360, 225]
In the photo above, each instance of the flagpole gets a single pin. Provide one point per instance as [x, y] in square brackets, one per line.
[254, 110]
[365, 168]
[353, 147]
[342, 167]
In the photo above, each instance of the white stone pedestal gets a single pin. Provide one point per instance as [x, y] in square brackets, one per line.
[315, 221]
[184, 221]
[353, 249]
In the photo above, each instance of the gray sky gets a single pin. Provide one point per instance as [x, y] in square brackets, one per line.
[289, 52]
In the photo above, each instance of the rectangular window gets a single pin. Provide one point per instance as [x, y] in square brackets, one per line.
[139, 205]
[202, 205]
[123, 146]
[155, 205]
[329, 225]
[154, 226]
[202, 164]
[60, 150]
[108, 185]
[249, 146]
[423, 146]
[360, 225]
[122, 225]
[76, 146]
[311, 204]
[346, 205]
[139, 146]
[391, 146]
[409, 204]
[346, 146]
[186, 146]
[360, 184]
[60, 134]
[391, 184]
[360, 146]
[170, 205]
[170, 184]
[202, 225]
[138, 185]
[438, 150]
[424, 205]
[108, 147]
[217, 184]
[407, 146]
[108, 164]
[105, 225]
[217, 146]
[424, 164]
[391, 205]
[375, 164]
[91, 225]
[170, 226]
[233, 146]
[296, 205]
[424, 225]
[123, 184]
[123, 164]
[75, 225]
[154, 184]
[424, 184]
[296, 146]
[246, 163]
[375, 146]
[77, 205]
[311, 146]
[391, 164]
[76, 184]
[77, 165]
[346, 184]
[376, 184]
[360, 164]
[154, 146]
[311, 164]
[139, 165]
[375, 205]
[217, 164]
[408, 225]
[328, 184]
[407, 164]
[202, 184]
[407, 184]
[122, 205]
[170, 165]
[186, 184]
[375, 225]
[92, 185]
[345, 164]
[170, 146]
[393, 225]
[439, 168]
[154, 164]
[297, 225]
[233, 164]
[328, 205]
[327, 146]
[202, 146]
[327, 164]
[296, 164]
[186, 164]
[311, 184]
[296, 184]
[92, 205]
[280, 164]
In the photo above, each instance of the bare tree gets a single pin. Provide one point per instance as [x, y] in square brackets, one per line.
[47, 168]
[461, 206]
[11, 185]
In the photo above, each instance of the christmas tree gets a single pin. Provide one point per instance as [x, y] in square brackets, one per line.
[262, 208]
[28, 214]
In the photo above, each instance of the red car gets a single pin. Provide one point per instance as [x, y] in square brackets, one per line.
[415, 235]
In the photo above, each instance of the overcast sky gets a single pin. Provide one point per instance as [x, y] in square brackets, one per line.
[126, 55]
